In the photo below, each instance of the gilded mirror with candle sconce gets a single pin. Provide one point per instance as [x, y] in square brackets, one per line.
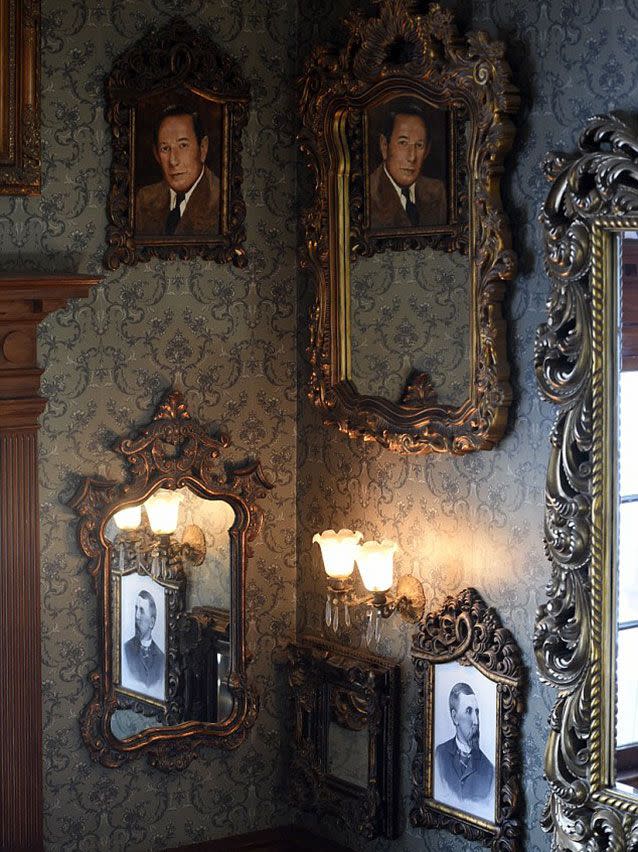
[587, 363]
[405, 130]
[168, 552]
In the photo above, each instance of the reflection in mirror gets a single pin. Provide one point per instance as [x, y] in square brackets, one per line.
[171, 580]
[348, 754]
[627, 642]
[414, 307]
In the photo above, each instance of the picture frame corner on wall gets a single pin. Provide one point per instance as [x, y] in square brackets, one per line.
[466, 770]
[346, 724]
[402, 162]
[178, 107]
[20, 123]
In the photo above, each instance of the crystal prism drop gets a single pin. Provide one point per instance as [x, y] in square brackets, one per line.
[328, 612]
[335, 618]
[346, 615]
[369, 628]
[377, 627]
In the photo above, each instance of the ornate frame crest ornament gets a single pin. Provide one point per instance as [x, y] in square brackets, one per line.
[593, 197]
[400, 53]
[469, 632]
[359, 690]
[172, 452]
[20, 165]
[175, 66]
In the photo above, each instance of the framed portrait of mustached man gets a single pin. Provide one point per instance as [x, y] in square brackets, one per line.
[466, 771]
[177, 108]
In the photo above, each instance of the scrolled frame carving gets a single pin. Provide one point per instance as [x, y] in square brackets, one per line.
[593, 196]
[465, 629]
[20, 143]
[176, 56]
[360, 690]
[403, 51]
[173, 451]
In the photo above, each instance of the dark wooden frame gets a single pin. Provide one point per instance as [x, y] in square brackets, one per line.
[20, 166]
[466, 629]
[370, 685]
[175, 56]
[172, 452]
[401, 52]
[593, 198]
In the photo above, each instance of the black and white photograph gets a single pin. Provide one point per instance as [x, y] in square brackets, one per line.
[464, 731]
[143, 636]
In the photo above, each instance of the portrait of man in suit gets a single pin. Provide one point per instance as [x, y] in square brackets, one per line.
[143, 660]
[464, 774]
[400, 195]
[186, 202]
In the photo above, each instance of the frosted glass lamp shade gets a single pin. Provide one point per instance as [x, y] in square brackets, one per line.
[129, 518]
[374, 559]
[338, 551]
[162, 509]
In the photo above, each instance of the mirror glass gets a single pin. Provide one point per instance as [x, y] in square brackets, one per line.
[171, 601]
[414, 308]
[627, 541]
[348, 753]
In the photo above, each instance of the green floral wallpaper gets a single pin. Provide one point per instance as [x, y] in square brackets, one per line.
[476, 520]
[229, 335]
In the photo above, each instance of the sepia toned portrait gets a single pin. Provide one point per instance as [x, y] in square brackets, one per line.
[143, 636]
[408, 169]
[464, 733]
[178, 167]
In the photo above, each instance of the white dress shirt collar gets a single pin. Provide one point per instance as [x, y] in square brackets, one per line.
[182, 206]
[411, 189]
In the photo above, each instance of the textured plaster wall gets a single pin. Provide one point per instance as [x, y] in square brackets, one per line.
[229, 333]
[476, 520]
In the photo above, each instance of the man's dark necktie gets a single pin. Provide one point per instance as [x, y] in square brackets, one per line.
[174, 215]
[410, 206]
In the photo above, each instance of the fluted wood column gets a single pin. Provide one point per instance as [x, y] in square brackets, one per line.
[24, 301]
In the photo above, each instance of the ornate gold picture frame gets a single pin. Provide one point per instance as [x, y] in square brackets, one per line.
[592, 201]
[177, 107]
[406, 129]
[467, 768]
[20, 167]
[166, 690]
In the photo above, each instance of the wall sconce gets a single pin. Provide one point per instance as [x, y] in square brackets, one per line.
[156, 552]
[374, 559]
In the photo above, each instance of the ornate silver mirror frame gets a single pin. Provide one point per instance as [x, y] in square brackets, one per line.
[594, 197]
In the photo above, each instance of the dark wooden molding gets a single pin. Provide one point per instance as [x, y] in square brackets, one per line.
[25, 300]
[284, 839]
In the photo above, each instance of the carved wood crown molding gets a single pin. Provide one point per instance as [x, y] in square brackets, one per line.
[25, 300]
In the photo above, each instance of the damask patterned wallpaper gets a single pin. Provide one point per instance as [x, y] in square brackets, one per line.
[228, 334]
[476, 520]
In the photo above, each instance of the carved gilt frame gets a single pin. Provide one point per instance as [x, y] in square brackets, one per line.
[172, 452]
[369, 688]
[403, 52]
[20, 166]
[175, 58]
[594, 195]
[466, 630]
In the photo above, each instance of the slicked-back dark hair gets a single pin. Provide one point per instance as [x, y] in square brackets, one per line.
[402, 108]
[151, 603]
[457, 690]
[173, 110]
